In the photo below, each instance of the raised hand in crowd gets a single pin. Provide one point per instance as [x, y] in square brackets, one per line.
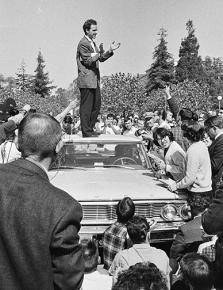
[167, 91]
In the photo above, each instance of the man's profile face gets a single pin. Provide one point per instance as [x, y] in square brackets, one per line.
[92, 32]
[211, 132]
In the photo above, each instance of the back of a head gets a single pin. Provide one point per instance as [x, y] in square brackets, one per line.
[39, 135]
[141, 276]
[137, 228]
[197, 271]
[125, 210]
[90, 255]
[193, 131]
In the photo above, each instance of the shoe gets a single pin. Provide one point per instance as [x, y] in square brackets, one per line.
[92, 134]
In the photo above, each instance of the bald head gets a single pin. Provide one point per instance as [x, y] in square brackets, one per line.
[39, 135]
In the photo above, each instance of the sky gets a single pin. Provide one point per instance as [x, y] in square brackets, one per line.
[55, 28]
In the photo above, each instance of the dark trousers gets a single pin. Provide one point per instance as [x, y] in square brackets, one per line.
[90, 105]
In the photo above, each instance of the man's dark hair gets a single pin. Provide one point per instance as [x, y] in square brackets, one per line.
[125, 210]
[110, 115]
[141, 276]
[193, 131]
[187, 115]
[68, 119]
[137, 228]
[214, 121]
[88, 23]
[163, 132]
[197, 271]
[90, 255]
[39, 135]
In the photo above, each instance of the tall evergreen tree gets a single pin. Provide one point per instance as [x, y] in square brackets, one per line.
[189, 66]
[23, 80]
[41, 83]
[162, 69]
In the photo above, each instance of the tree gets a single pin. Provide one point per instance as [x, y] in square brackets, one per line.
[122, 92]
[213, 69]
[189, 66]
[162, 69]
[41, 83]
[23, 80]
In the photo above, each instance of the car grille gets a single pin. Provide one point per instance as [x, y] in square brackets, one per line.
[108, 211]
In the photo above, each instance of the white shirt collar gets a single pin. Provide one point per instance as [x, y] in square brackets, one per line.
[91, 41]
[88, 38]
[219, 134]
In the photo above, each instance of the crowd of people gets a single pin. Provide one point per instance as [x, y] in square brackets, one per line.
[186, 152]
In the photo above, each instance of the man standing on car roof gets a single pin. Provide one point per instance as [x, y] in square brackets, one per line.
[88, 81]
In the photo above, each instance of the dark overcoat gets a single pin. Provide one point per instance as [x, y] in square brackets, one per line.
[39, 224]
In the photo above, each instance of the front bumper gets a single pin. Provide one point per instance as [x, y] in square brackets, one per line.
[162, 232]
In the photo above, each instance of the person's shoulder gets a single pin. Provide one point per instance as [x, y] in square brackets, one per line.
[61, 195]
[84, 41]
[159, 252]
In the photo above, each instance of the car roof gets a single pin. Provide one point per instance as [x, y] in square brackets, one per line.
[103, 138]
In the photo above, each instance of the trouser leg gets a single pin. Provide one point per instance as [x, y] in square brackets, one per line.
[96, 108]
[86, 107]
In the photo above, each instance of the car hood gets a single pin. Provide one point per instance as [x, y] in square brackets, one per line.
[110, 184]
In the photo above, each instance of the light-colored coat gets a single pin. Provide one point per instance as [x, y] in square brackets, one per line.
[175, 160]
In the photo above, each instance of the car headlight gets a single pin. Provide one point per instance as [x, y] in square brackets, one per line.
[185, 212]
[169, 212]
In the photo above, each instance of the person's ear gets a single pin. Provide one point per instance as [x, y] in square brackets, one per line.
[148, 236]
[59, 146]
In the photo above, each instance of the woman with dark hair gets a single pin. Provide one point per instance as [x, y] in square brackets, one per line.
[174, 156]
[197, 179]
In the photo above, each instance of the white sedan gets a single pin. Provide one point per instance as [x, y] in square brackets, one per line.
[99, 171]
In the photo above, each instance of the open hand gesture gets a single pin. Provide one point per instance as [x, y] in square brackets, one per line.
[101, 48]
[114, 45]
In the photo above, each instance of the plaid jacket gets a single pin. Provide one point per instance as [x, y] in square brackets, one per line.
[114, 240]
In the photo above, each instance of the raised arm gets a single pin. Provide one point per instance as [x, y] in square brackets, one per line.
[62, 115]
[172, 103]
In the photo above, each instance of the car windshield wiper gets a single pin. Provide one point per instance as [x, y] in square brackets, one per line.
[69, 167]
[119, 166]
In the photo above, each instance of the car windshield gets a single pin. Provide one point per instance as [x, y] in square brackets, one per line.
[82, 155]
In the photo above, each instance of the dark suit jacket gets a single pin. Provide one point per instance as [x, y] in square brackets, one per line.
[212, 219]
[186, 240]
[216, 156]
[88, 66]
[39, 227]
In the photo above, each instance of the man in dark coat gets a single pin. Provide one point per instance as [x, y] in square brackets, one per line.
[190, 235]
[214, 128]
[212, 222]
[88, 57]
[39, 242]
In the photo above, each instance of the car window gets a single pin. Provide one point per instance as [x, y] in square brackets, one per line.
[75, 154]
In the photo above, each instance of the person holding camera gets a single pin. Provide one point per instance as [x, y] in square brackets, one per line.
[109, 127]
